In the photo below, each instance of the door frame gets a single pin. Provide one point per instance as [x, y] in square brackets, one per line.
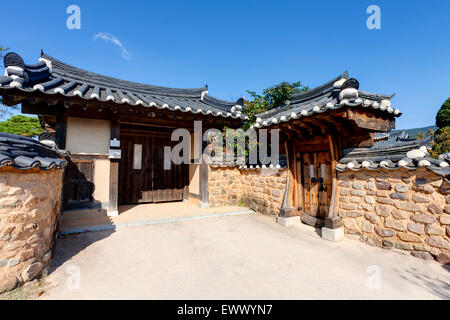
[333, 147]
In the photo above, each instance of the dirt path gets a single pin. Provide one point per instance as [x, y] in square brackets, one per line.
[237, 257]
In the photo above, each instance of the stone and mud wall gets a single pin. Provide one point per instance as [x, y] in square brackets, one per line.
[401, 209]
[261, 190]
[30, 203]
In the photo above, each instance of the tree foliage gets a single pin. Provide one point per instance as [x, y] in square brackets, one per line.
[22, 125]
[441, 138]
[443, 115]
[441, 142]
[272, 97]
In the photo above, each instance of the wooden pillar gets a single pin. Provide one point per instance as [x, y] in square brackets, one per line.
[299, 175]
[186, 182]
[113, 205]
[61, 127]
[288, 213]
[333, 229]
[203, 184]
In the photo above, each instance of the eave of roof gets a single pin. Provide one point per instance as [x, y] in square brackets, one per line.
[324, 98]
[391, 155]
[25, 153]
[54, 77]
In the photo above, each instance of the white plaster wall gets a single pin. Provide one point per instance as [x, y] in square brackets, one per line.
[87, 136]
[194, 179]
[101, 181]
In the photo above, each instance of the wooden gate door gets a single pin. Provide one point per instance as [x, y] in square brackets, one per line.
[317, 183]
[168, 185]
[78, 182]
[142, 177]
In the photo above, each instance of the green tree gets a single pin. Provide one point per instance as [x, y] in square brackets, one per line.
[420, 135]
[443, 115]
[21, 125]
[272, 97]
[441, 138]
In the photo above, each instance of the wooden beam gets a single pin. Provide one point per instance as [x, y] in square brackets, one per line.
[296, 179]
[371, 121]
[113, 204]
[76, 109]
[13, 99]
[300, 191]
[333, 202]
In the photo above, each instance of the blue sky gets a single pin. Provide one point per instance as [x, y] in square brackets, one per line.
[237, 45]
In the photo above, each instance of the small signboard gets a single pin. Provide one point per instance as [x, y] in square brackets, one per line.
[114, 143]
[115, 153]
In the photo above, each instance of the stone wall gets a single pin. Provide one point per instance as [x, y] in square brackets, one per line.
[260, 189]
[30, 202]
[406, 210]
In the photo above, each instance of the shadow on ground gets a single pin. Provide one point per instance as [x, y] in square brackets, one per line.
[434, 285]
[68, 246]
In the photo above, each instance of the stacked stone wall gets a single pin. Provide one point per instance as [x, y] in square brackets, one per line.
[30, 203]
[261, 190]
[401, 209]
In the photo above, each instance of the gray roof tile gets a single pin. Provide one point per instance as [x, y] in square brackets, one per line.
[52, 76]
[323, 99]
[394, 153]
[25, 153]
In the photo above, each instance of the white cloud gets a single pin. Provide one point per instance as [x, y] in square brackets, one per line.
[113, 39]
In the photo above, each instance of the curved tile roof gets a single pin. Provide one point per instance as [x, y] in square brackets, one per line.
[329, 96]
[26, 153]
[393, 154]
[55, 77]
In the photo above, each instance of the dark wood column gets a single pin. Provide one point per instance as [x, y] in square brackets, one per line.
[113, 207]
[61, 127]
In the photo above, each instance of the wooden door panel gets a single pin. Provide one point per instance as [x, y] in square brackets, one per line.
[317, 183]
[78, 182]
[167, 184]
[150, 183]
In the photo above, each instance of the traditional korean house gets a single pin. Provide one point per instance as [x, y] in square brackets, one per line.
[343, 171]
[115, 130]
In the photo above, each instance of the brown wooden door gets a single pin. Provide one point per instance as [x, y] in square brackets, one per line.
[142, 177]
[78, 182]
[317, 183]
